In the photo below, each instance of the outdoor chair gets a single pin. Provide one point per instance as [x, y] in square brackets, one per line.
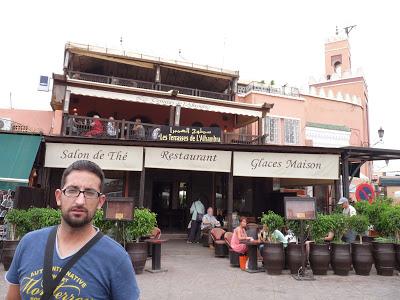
[233, 256]
[217, 235]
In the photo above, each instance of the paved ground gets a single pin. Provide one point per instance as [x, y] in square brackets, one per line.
[194, 273]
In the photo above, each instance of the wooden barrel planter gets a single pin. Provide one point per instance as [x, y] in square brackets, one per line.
[341, 259]
[362, 258]
[274, 258]
[319, 258]
[385, 258]
[397, 251]
[294, 260]
[8, 252]
[138, 254]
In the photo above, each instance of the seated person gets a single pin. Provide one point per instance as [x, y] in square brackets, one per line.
[220, 217]
[209, 221]
[111, 130]
[239, 234]
[277, 236]
[96, 127]
[138, 129]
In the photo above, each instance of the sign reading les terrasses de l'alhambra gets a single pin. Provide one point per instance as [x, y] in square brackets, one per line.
[108, 157]
[286, 165]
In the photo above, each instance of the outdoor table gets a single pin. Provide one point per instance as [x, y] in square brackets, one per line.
[156, 255]
[252, 254]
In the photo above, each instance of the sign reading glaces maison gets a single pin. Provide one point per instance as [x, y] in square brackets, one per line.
[286, 165]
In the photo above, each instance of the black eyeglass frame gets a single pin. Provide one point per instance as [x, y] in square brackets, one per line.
[83, 192]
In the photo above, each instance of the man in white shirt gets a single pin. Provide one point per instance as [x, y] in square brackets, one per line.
[349, 211]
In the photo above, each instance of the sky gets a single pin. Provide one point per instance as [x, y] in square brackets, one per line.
[265, 40]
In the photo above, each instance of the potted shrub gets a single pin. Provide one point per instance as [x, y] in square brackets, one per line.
[319, 250]
[294, 252]
[17, 226]
[383, 247]
[361, 252]
[395, 225]
[340, 251]
[273, 254]
[143, 223]
[20, 222]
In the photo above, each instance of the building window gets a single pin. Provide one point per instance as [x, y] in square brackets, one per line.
[291, 131]
[271, 129]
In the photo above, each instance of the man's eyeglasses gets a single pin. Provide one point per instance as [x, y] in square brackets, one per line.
[74, 193]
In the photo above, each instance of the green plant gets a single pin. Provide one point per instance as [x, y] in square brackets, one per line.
[273, 221]
[389, 222]
[104, 225]
[143, 223]
[375, 213]
[359, 223]
[362, 207]
[294, 226]
[340, 224]
[320, 227]
[23, 221]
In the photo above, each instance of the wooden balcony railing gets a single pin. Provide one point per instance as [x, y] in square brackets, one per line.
[126, 130]
[147, 85]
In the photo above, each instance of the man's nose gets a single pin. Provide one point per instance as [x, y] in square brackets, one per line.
[80, 199]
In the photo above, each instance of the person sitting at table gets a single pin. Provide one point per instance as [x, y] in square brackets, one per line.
[220, 216]
[96, 127]
[277, 236]
[72, 125]
[209, 221]
[111, 130]
[239, 235]
[138, 129]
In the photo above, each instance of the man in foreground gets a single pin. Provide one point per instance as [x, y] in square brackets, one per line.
[104, 271]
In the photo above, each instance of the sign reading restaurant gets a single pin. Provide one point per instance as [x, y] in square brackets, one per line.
[190, 134]
[108, 157]
[188, 159]
[286, 165]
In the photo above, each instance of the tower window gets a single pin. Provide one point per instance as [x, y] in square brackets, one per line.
[338, 67]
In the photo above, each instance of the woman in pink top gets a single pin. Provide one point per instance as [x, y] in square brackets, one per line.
[239, 234]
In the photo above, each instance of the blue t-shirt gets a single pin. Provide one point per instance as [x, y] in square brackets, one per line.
[104, 272]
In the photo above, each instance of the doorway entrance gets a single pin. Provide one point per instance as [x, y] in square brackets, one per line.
[170, 203]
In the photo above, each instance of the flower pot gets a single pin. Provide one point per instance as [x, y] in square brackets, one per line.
[362, 258]
[319, 258]
[274, 258]
[9, 247]
[341, 258]
[138, 255]
[397, 251]
[384, 257]
[294, 257]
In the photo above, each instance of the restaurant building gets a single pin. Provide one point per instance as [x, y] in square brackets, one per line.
[168, 132]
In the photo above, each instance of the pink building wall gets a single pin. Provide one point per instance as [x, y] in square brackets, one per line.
[36, 120]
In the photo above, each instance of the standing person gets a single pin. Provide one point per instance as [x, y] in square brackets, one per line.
[348, 210]
[197, 211]
[138, 129]
[104, 271]
[111, 130]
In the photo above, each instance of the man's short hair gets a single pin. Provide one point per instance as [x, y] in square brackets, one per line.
[84, 165]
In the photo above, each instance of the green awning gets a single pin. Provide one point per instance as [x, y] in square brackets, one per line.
[17, 155]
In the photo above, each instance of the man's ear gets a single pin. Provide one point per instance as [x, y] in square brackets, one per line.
[58, 195]
[102, 199]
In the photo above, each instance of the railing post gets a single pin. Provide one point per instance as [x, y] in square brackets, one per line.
[123, 129]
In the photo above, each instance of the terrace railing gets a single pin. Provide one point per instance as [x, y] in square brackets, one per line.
[79, 126]
[147, 85]
[264, 88]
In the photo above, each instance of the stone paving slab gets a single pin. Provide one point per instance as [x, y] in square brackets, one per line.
[194, 273]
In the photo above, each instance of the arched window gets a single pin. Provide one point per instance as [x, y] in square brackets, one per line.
[338, 67]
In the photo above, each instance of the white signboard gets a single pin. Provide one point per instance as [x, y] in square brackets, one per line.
[188, 159]
[286, 165]
[108, 157]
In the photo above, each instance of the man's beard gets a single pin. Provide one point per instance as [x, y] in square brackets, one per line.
[76, 222]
